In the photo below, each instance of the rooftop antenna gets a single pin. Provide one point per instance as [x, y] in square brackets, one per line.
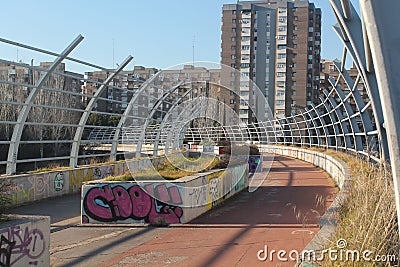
[17, 55]
[194, 39]
[113, 54]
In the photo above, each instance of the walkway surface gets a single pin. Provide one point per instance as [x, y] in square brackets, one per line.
[282, 215]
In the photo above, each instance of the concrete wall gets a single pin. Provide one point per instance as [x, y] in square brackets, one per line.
[336, 168]
[188, 197]
[27, 188]
[25, 241]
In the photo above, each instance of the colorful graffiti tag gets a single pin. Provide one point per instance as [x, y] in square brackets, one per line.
[19, 243]
[59, 181]
[129, 202]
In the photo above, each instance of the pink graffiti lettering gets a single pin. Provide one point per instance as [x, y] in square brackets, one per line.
[106, 204]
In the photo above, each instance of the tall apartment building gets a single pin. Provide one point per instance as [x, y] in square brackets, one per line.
[276, 43]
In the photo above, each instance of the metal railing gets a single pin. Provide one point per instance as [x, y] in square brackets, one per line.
[45, 116]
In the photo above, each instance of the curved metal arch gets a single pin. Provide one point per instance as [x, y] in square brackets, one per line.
[293, 117]
[317, 135]
[333, 118]
[316, 127]
[323, 124]
[161, 127]
[308, 129]
[197, 107]
[153, 111]
[23, 115]
[122, 121]
[384, 41]
[85, 116]
[354, 42]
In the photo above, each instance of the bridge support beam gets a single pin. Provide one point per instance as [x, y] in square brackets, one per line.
[384, 36]
[23, 115]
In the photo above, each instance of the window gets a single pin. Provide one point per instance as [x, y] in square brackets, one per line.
[310, 48]
[233, 56]
[233, 74]
[280, 56]
[281, 37]
[296, 28]
[295, 37]
[244, 84]
[245, 65]
[280, 47]
[232, 101]
[233, 29]
[282, 28]
[310, 39]
[281, 84]
[310, 29]
[310, 57]
[294, 55]
[294, 74]
[245, 38]
[280, 102]
[245, 47]
[233, 12]
[310, 66]
[233, 39]
[296, 18]
[281, 74]
[233, 47]
[294, 83]
[281, 65]
[294, 92]
[233, 65]
[295, 46]
[234, 21]
[280, 93]
[282, 19]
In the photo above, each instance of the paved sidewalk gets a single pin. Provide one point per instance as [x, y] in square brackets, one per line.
[281, 214]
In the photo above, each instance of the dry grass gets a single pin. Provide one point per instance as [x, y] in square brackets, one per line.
[169, 171]
[368, 219]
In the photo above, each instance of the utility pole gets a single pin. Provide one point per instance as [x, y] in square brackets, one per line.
[194, 38]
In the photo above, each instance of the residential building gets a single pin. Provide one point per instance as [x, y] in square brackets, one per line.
[118, 93]
[276, 44]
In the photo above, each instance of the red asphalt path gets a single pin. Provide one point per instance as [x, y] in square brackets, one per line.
[282, 214]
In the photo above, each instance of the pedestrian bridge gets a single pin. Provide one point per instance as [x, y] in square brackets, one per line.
[43, 121]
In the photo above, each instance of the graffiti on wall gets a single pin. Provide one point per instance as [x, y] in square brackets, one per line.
[129, 202]
[215, 192]
[59, 181]
[19, 243]
[78, 176]
[198, 195]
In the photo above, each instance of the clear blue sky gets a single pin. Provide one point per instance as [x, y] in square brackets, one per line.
[157, 33]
